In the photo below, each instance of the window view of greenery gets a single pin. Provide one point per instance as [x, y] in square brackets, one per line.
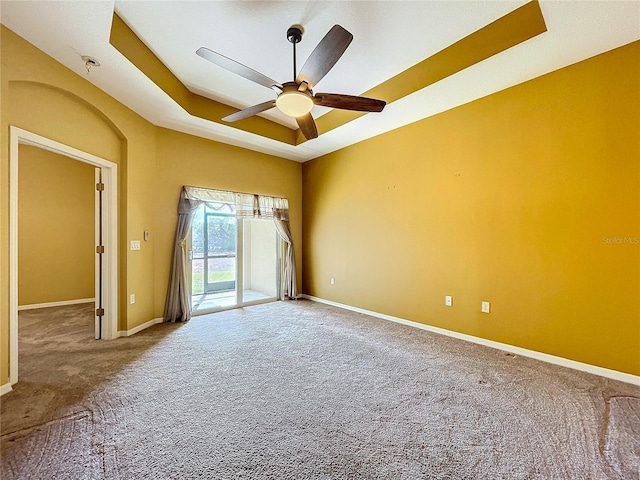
[214, 248]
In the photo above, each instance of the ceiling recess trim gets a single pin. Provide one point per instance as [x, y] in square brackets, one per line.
[123, 39]
[512, 29]
[508, 31]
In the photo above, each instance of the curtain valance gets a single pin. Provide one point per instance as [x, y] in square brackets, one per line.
[246, 204]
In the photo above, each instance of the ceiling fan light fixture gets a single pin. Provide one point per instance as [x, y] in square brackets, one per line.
[294, 103]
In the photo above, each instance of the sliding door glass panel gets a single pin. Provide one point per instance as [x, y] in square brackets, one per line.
[260, 264]
[220, 240]
[214, 255]
[196, 254]
[197, 276]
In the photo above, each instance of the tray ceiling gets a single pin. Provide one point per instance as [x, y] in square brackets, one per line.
[390, 37]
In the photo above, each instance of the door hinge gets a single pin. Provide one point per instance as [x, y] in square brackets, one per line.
[100, 186]
[100, 249]
[99, 312]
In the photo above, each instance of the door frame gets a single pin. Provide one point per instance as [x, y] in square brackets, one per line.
[109, 171]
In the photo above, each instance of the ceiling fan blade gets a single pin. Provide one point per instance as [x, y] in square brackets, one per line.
[308, 126]
[237, 68]
[324, 56]
[249, 111]
[348, 102]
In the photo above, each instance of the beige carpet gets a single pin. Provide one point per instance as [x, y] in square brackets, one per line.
[298, 390]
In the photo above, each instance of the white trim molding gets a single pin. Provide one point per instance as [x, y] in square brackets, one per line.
[139, 328]
[62, 303]
[6, 388]
[545, 357]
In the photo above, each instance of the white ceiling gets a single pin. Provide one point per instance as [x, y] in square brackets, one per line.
[389, 37]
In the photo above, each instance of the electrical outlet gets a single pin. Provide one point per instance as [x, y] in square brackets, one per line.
[132, 298]
[486, 307]
[448, 300]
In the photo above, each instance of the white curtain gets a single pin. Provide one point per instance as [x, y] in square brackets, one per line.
[178, 303]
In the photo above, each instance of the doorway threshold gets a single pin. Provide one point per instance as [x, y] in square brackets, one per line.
[213, 302]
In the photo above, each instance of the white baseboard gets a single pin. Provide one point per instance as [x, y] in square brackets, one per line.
[139, 328]
[56, 304]
[545, 357]
[6, 388]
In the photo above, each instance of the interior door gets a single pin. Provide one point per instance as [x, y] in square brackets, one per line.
[99, 259]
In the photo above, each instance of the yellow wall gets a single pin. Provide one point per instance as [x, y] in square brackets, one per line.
[56, 228]
[42, 96]
[508, 199]
[188, 160]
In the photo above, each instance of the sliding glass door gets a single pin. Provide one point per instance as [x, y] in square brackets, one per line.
[214, 249]
[219, 251]
[234, 261]
[260, 273]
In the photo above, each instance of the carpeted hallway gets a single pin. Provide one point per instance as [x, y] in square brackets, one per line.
[300, 390]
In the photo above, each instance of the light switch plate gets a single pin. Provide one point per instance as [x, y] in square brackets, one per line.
[448, 300]
[135, 244]
[486, 307]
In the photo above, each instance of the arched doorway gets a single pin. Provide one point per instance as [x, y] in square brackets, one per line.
[106, 281]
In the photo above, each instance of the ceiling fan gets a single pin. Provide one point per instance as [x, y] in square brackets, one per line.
[296, 98]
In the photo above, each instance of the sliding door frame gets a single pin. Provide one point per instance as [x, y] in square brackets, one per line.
[239, 289]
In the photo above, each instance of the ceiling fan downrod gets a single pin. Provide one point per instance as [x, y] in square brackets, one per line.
[294, 35]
